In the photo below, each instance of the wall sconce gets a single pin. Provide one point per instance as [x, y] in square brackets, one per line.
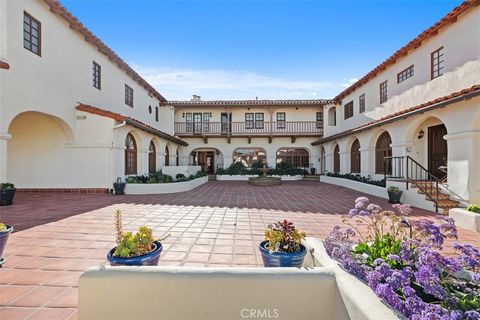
[421, 134]
[183, 115]
[210, 114]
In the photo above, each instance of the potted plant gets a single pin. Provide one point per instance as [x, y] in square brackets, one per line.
[282, 246]
[119, 186]
[394, 194]
[5, 231]
[7, 193]
[139, 249]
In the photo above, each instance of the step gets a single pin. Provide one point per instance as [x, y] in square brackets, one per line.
[212, 177]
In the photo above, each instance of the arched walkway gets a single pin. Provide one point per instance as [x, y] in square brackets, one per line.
[296, 157]
[209, 159]
[37, 153]
[249, 155]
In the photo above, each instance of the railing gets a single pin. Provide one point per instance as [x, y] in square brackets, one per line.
[415, 175]
[250, 128]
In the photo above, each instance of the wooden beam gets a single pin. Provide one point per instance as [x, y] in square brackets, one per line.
[270, 138]
[205, 139]
[4, 65]
[294, 138]
[249, 139]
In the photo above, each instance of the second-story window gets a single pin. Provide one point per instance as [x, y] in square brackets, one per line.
[259, 117]
[348, 110]
[383, 91]
[97, 76]
[156, 114]
[32, 34]
[405, 74]
[319, 120]
[128, 96]
[361, 103]
[206, 121]
[281, 116]
[249, 120]
[437, 63]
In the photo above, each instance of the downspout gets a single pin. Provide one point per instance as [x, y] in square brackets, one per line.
[112, 152]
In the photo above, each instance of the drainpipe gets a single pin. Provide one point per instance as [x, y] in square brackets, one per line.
[112, 152]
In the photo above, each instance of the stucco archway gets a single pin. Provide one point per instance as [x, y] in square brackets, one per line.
[37, 153]
[209, 159]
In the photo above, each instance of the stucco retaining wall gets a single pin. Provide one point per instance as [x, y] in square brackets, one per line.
[226, 177]
[465, 219]
[359, 186]
[162, 188]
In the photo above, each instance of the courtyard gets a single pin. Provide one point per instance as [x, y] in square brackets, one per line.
[58, 236]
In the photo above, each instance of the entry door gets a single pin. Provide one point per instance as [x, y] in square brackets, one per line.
[226, 121]
[202, 160]
[197, 123]
[210, 165]
[437, 150]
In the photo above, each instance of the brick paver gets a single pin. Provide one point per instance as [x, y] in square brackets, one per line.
[217, 224]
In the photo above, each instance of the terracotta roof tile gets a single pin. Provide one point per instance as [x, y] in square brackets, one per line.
[415, 43]
[4, 65]
[404, 113]
[133, 122]
[76, 25]
[304, 102]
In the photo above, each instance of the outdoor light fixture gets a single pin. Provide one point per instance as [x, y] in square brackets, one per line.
[183, 115]
[421, 134]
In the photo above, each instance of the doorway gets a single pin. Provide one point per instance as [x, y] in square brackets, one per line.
[437, 150]
[206, 160]
[226, 122]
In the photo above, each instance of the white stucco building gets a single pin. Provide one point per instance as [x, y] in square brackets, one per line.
[74, 116]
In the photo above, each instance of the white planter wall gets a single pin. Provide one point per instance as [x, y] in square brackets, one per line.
[465, 219]
[163, 188]
[185, 170]
[355, 185]
[225, 177]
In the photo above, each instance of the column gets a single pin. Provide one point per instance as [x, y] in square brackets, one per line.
[4, 137]
[367, 161]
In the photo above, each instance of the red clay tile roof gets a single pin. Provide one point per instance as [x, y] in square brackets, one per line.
[133, 122]
[4, 65]
[243, 103]
[427, 106]
[76, 25]
[451, 17]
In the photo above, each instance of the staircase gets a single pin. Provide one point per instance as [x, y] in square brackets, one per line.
[415, 176]
[311, 177]
[212, 177]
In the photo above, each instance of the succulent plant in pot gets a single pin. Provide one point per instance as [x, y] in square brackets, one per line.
[139, 249]
[5, 231]
[283, 245]
[394, 194]
[7, 193]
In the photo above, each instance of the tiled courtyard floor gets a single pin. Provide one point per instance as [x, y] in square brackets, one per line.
[217, 224]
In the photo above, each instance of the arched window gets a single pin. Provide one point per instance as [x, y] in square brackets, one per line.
[167, 156]
[249, 155]
[336, 159]
[382, 150]
[355, 157]
[178, 159]
[130, 155]
[322, 160]
[293, 156]
[152, 158]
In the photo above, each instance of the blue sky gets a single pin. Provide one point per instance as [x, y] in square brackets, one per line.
[247, 49]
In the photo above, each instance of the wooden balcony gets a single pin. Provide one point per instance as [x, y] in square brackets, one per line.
[249, 129]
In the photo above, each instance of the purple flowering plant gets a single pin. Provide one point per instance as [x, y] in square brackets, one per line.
[401, 260]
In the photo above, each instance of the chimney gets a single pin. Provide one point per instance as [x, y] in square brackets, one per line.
[196, 98]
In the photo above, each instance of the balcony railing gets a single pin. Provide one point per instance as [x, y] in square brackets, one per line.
[253, 128]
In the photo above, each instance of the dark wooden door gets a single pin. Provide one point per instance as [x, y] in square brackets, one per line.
[437, 150]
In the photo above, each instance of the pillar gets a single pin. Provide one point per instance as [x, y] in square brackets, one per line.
[4, 137]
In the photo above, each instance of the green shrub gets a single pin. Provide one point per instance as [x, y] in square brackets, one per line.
[474, 208]
[181, 177]
[393, 189]
[356, 177]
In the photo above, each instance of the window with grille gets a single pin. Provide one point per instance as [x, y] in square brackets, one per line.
[348, 110]
[189, 122]
[355, 157]
[437, 59]
[336, 159]
[206, 121]
[128, 96]
[361, 103]
[383, 91]
[97, 76]
[249, 121]
[32, 34]
[130, 155]
[281, 116]
[259, 117]
[382, 150]
[319, 118]
[405, 74]
[156, 114]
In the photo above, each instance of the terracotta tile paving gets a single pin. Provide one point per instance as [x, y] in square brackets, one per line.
[217, 224]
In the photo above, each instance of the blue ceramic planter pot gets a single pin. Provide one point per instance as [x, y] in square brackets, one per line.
[278, 259]
[149, 259]
[4, 238]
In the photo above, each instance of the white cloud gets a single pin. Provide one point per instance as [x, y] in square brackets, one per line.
[226, 84]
